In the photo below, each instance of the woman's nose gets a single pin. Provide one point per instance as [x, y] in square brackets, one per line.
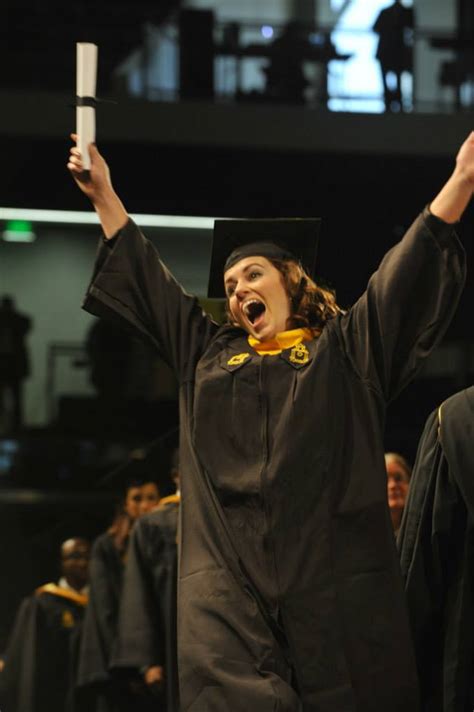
[240, 291]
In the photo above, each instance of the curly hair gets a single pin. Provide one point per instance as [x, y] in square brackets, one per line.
[311, 305]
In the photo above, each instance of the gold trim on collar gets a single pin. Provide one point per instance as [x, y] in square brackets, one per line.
[55, 590]
[282, 341]
[171, 499]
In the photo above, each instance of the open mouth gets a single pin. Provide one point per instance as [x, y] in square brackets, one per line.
[253, 310]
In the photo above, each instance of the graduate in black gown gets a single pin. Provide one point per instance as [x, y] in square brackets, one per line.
[146, 642]
[289, 590]
[40, 664]
[436, 544]
[100, 624]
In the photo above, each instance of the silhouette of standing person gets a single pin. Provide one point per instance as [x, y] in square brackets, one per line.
[285, 78]
[14, 364]
[394, 26]
[110, 352]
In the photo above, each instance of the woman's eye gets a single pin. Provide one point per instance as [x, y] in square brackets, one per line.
[254, 275]
[230, 291]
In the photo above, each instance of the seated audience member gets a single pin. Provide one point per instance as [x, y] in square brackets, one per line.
[436, 545]
[146, 638]
[100, 624]
[41, 658]
[398, 482]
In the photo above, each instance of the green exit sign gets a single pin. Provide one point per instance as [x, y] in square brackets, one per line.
[18, 231]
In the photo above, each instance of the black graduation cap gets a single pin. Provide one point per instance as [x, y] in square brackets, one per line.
[151, 463]
[281, 238]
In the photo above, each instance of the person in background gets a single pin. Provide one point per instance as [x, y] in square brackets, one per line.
[398, 482]
[436, 544]
[394, 26]
[146, 644]
[40, 665]
[100, 625]
[285, 78]
[14, 364]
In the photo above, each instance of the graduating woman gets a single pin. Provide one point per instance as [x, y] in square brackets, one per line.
[290, 594]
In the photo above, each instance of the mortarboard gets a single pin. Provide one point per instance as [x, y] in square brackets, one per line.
[280, 238]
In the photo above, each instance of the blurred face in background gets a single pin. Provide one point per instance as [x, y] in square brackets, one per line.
[75, 555]
[398, 483]
[132, 503]
[141, 499]
[150, 496]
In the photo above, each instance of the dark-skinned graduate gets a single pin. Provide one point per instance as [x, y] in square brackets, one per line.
[289, 592]
[100, 624]
[40, 668]
[436, 544]
[146, 645]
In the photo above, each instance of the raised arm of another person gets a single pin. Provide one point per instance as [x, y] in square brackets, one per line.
[131, 285]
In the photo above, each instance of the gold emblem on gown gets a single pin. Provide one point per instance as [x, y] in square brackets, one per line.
[238, 359]
[299, 354]
[67, 620]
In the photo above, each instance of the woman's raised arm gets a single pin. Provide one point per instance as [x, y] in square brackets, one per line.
[97, 185]
[454, 196]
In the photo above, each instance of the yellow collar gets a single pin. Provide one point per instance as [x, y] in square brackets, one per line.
[171, 499]
[283, 340]
[55, 590]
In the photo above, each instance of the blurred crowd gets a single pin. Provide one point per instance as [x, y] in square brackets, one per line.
[102, 638]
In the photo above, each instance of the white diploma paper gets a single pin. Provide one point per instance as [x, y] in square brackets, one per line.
[86, 82]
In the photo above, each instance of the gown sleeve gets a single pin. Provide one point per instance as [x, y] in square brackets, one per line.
[436, 544]
[139, 642]
[100, 620]
[131, 285]
[407, 307]
[19, 676]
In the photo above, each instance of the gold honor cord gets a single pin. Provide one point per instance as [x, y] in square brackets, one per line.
[55, 590]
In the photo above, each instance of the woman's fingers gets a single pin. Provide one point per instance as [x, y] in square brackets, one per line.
[75, 162]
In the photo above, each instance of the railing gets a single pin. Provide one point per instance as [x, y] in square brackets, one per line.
[338, 62]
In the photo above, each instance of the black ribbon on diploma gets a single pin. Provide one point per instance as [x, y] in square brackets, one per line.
[91, 101]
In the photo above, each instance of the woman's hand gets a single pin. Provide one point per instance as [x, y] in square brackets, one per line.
[96, 182]
[97, 185]
[465, 160]
[454, 197]
[154, 679]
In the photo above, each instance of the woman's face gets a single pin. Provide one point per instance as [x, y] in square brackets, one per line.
[257, 297]
[140, 500]
[150, 497]
[132, 502]
[398, 483]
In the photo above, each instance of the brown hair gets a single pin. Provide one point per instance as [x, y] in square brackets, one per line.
[311, 306]
[399, 460]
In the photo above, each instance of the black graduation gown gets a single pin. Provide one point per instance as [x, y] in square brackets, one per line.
[147, 621]
[100, 623]
[289, 590]
[436, 544]
[41, 658]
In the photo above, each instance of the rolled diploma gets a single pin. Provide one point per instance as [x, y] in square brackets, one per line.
[86, 81]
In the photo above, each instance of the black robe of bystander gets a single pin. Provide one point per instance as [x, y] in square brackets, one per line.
[436, 543]
[41, 658]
